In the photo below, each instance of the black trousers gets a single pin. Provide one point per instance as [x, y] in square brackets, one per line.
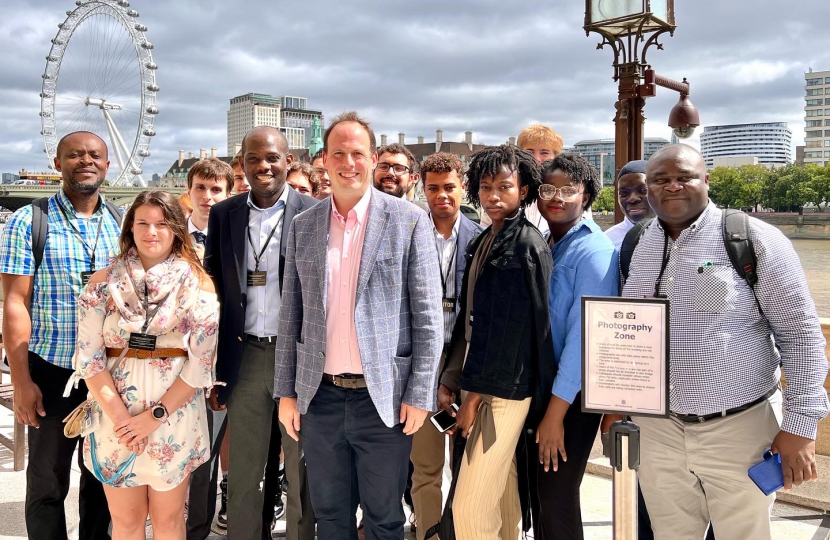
[271, 484]
[560, 514]
[50, 463]
[202, 502]
[345, 440]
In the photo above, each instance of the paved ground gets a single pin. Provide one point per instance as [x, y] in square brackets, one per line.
[790, 522]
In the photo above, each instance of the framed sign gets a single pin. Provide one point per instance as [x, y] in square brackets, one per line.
[625, 356]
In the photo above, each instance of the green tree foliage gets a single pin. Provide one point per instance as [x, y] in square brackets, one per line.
[605, 200]
[787, 188]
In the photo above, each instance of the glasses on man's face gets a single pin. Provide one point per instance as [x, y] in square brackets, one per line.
[397, 168]
[568, 193]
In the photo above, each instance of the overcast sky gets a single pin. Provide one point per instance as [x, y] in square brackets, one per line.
[488, 66]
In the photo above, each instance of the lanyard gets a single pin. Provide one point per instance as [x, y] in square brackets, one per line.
[80, 237]
[257, 258]
[663, 266]
[445, 278]
[148, 314]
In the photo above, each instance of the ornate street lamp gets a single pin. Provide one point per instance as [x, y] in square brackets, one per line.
[630, 28]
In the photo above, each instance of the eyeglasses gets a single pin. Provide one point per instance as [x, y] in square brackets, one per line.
[397, 168]
[568, 193]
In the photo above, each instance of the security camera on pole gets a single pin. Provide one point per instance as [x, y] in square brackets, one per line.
[630, 28]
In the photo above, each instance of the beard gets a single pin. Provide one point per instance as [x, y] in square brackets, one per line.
[82, 188]
[396, 190]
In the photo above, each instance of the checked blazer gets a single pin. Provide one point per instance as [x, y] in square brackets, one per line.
[398, 314]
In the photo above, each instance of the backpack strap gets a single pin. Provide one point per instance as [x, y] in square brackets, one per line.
[40, 211]
[629, 244]
[738, 244]
[116, 212]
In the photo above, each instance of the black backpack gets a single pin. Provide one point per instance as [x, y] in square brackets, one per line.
[736, 240]
[40, 225]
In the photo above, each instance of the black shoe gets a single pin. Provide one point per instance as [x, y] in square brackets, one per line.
[222, 519]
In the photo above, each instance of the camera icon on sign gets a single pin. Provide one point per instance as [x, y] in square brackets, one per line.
[618, 315]
[630, 315]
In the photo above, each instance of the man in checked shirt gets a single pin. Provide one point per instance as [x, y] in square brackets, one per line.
[726, 354]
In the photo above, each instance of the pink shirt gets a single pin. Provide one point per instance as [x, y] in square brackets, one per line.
[343, 264]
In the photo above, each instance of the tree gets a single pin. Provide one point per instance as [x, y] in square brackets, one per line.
[820, 184]
[754, 178]
[605, 200]
[726, 186]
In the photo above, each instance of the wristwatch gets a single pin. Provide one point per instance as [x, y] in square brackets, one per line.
[160, 413]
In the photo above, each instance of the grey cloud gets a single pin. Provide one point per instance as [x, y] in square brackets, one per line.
[484, 65]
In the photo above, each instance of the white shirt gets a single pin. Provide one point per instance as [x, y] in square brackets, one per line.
[191, 228]
[261, 316]
[618, 231]
[447, 252]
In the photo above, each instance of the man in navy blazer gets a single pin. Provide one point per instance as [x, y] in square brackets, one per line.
[443, 181]
[359, 339]
[245, 255]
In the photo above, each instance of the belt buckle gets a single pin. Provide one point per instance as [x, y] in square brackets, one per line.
[334, 381]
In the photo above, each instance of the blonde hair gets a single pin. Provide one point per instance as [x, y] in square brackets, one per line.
[542, 135]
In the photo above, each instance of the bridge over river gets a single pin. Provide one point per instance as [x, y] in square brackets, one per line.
[13, 196]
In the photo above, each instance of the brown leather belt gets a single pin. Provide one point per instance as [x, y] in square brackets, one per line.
[352, 382]
[137, 353]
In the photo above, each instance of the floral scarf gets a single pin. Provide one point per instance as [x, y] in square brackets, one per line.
[171, 282]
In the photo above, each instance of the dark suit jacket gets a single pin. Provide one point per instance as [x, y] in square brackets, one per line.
[225, 261]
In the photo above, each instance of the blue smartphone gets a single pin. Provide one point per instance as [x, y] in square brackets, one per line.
[768, 475]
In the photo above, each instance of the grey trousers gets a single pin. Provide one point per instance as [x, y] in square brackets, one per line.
[250, 412]
[693, 473]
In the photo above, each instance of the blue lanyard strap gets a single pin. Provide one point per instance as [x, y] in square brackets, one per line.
[121, 474]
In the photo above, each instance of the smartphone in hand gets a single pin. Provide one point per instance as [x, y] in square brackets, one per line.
[442, 420]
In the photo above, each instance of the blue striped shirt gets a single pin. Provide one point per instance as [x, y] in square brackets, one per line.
[58, 280]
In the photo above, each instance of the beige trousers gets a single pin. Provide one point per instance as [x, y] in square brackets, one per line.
[692, 474]
[486, 504]
[428, 445]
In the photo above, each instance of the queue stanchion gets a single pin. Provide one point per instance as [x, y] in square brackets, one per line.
[622, 445]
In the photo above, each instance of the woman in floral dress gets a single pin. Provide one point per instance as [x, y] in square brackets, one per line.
[148, 402]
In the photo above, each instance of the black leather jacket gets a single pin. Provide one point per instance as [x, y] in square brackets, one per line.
[511, 350]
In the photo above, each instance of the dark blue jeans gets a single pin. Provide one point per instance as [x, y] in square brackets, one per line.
[345, 441]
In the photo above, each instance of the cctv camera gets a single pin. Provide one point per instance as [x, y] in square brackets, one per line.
[684, 132]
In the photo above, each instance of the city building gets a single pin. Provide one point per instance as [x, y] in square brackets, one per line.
[176, 175]
[734, 161]
[289, 114]
[816, 117]
[10, 178]
[600, 154]
[799, 155]
[770, 142]
[294, 116]
[422, 150]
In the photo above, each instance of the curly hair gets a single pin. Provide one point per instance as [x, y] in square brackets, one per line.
[490, 161]
[579, 170]
[442, 162]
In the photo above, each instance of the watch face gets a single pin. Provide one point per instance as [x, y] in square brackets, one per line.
[158, 413]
